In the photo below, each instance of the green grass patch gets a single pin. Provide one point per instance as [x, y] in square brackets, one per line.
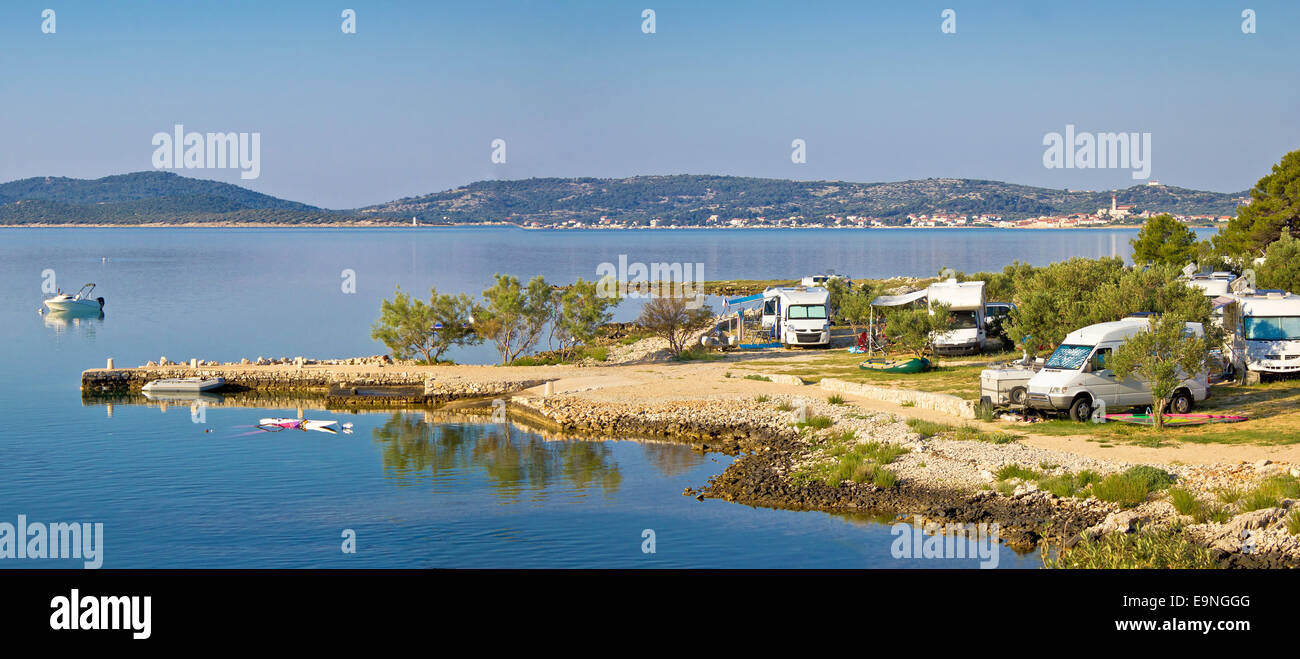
[785, 406]
[1010, 471]
[1133, 486]
[1293, 522]
[928, 428]
[761, 398]
[1163, 549]
[816, 423]
[1184, 501]
[760, 378]
[835, 399]
[1069, 485]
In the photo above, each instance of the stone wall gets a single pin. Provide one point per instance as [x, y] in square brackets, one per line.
[926, 400]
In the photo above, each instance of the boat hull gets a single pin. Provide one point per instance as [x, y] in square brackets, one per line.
[915, 365]
[184, 385]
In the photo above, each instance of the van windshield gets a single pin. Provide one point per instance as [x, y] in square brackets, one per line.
[1271, 328]
[1068, 357]
[963, 319]
[801, 311]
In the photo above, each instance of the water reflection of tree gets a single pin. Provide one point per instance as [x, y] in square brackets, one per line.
[672, 459]
[513, 461]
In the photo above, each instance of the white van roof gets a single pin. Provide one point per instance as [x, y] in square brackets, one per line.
[804, 295]
[958, 295]
[1116, 331]
[1269, 303]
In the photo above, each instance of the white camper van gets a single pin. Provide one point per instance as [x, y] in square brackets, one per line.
[797, 316]
[1075, 377]
[965, 302]
[1266, 338]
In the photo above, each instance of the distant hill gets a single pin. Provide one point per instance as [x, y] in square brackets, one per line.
[164, 197]
[691, 199]
[145, 197]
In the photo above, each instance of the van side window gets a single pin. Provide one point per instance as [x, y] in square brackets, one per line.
[1100, 360]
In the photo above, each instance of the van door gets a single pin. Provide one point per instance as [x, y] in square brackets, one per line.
[1099, 379]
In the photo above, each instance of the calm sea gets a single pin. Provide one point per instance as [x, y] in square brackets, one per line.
[173, 492]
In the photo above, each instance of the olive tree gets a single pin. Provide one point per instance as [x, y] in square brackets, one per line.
[915, 328]
[514, 316]
[1162, 355]
[672, 319]
[411, 327]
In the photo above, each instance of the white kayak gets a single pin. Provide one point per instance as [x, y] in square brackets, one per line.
[193, 385]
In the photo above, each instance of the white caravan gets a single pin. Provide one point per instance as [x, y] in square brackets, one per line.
[1076, 376]
[797, 316]
[1265, 338]
[965, 302]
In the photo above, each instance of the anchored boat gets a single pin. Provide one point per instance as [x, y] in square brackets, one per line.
[81, 302]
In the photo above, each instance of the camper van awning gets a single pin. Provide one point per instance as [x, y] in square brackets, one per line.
[1222, 301]
[743, 300]
[898, 300]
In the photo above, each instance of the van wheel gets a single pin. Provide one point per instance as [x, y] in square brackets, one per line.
[1181, 403]
[1017, 396]
[1081, 409]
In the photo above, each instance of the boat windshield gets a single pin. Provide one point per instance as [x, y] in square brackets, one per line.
[1271, 328]
[1068, 357]
[813, 311]
[964, 319]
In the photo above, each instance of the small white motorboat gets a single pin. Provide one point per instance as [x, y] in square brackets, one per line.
[189, 385]
[80, 302]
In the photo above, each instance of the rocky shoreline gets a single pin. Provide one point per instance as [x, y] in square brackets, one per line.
[940, 481]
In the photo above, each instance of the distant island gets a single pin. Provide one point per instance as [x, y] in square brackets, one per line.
[676, 201]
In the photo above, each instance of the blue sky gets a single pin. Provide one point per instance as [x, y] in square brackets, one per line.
[411, 103]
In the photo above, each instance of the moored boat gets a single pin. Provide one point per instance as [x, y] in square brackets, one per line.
[194, 384]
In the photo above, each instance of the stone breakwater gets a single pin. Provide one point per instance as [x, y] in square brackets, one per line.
[377, 385]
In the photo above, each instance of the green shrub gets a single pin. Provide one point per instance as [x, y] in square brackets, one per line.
[1258, 499]
[835, 399]
[785, 406]
[761, 398]
[1293, 522]
[884, 478]
[1016, 471]
[928, 428]
[1164, 549]
[1153, 478]
[1185, 502]
[816, 423]
[760, 378]
[1068, 485]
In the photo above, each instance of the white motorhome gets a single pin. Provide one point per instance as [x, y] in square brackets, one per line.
[1212, 285]
[1076, 376]
[965, 302]
[797, 315]
[1265, 335]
